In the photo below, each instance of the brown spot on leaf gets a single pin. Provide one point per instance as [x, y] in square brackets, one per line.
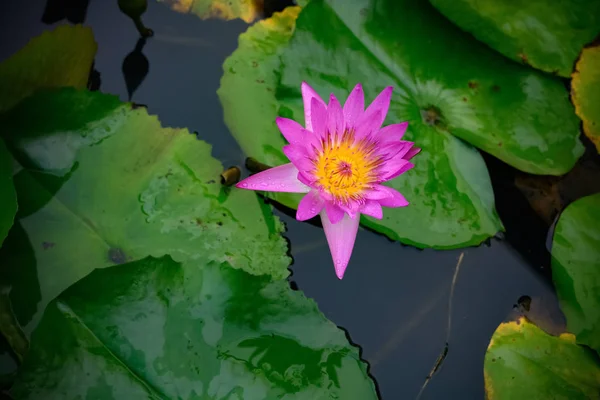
[254, 64]
[523, 57]
[47, 245]
[473, 85]
[260, 81]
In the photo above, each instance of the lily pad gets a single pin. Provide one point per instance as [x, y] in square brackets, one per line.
[524, 362]
[104, 184]
[446, 84]
[8, 196]
[585, 90]
[547, 35]
[452, 202]
[576, 268]
[58, 58]
[246, 10]
[154, 329]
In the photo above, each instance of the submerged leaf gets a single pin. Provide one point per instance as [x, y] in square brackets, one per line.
[585, 89]
[57, 58]
[524, 362]
[576, 268]
[8, 196]
[155, 329]
[547, 35]
[104, 184]
[247, 10]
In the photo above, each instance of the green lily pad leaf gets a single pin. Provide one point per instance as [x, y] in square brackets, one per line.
[8, 196]
[246, 10]
[57, 58]
[585, 90]
[547, 35]
[576, 268]
[104, 184]
[452, 203]
[524, 362]
[155, 329]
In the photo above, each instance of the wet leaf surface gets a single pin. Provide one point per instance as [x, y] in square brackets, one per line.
[524, 362]
[104, 184]
[547, 35]
[155, 329]
[8, 196]
[435, 218]
[57, 58]
[247, 10]
[585, 89]
[576, 268]
[446, 85]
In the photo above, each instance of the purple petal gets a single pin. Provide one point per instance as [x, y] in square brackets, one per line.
[394, 149]
[391, 167]
[380, 105]
[400, 171]
[367, 125]
[351, 208]
[412, 152]
[318, 118]
[393, 132]
[354, 106]
[392, 197]
[309, 206]
[341, 238]
[372, 208]
[299, 157]
[308, 94]
[335, 117]
[292, 131]
[283, 178]
[334, 213]
[306, 178]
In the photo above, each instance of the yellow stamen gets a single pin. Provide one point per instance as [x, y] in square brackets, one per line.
[346, 169]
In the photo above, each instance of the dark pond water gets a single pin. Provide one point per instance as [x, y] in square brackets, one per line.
[394, 299]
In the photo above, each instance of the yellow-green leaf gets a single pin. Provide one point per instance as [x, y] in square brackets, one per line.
[58, 58]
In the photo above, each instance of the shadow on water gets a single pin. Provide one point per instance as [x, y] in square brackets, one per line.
[135, 68]
[73, 11]
[420, 317]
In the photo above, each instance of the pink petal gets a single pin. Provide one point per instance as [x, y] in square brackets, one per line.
[334, 213]
[367, 124]
[393, 132]
[372, 208]
[391, 167]
[299, 157]
[393, 199]
[306, 178]
[308, 94]
[292, 131]
[395, 149]
[403, 169]
[318, 118]
[309, 206]
[335, 117]
[412, 152]
[283, 178]
[341, 238]
[354, 106]
[380, 105]
[351, 208]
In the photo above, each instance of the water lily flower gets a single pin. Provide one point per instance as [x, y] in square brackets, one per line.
[339, 159]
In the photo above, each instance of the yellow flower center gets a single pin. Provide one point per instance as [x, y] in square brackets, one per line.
[346, 169]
